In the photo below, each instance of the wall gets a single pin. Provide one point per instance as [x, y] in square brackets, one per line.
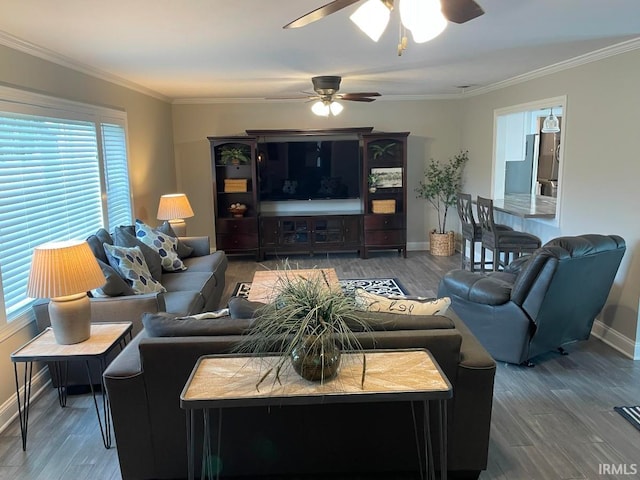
[434, 127]
[601, 166]
[150, 156]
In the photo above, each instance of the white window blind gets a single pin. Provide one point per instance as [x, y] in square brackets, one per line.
[63, 175]
[116, 169]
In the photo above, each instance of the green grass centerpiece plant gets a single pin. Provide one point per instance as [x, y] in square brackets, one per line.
[309, 324]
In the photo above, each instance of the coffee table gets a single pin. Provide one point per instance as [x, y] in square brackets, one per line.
[264, 286]
[229, 381]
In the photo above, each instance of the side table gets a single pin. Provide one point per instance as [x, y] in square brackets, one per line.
[104, 338]
[229, 381]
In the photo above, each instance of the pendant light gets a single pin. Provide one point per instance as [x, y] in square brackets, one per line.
[551, 124]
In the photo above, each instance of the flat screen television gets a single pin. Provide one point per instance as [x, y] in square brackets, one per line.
[308, 170]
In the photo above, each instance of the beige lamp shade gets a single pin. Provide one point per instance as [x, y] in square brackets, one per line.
[172, 206]
[59, 269]
[64, 272]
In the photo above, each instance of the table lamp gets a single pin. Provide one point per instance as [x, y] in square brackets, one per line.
[174, 208]
[64, 272]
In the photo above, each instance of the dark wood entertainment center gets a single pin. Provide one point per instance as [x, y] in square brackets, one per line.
[376, 220]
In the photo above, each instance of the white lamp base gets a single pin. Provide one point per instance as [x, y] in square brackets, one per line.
[70, 318]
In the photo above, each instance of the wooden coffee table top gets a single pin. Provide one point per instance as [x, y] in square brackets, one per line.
[265, 282]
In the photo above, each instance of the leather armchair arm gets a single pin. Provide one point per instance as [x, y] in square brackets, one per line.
[487, 289]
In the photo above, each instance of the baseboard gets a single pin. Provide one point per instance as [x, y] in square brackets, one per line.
[616, 340]
[417, 246]
[424, 247]
[9, 409]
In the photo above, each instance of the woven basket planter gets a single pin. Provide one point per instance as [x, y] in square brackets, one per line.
[442, 244]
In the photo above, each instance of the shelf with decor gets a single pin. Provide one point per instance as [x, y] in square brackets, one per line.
[385, 191]
[236, 205]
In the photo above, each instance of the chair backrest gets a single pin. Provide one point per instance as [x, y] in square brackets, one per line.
[485, 220]
[565, 285]
[465, 212]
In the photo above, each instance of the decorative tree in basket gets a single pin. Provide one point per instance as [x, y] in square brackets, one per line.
[441, 184]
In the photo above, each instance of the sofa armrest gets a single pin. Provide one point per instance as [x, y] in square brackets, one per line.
[126, 308]
[124, 381]
[201, 245]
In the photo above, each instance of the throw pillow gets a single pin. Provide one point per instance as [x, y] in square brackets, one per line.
[122, 238]
[163, 324]
[378, 303]
[130, 262]
[184, 250]
[115, 284]
[165, 245]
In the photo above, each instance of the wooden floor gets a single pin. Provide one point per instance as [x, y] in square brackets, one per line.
[554, 421]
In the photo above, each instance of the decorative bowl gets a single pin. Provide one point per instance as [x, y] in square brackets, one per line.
[237, 211]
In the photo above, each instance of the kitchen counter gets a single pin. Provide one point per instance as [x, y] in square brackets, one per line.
[527, 206]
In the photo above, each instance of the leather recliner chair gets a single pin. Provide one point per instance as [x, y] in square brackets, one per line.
[541, 302]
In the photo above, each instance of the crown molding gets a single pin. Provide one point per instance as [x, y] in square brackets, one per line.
[594, 56]
[15, 43]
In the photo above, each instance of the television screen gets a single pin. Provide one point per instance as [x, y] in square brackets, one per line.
[306, 170]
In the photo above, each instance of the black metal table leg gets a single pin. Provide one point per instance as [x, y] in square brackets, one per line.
[105, 430]
[442, 415]
[23, 408]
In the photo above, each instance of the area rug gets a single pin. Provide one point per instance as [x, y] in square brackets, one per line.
[380, 286]
[632, 414]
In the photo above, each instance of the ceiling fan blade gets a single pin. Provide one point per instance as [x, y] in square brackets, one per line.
[358, 94]
[293, 97]
[319, 13]
[461, 11]
[356, 99]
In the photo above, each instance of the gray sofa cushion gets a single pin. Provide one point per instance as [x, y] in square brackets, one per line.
[96, 243]
[115, 284]
[167, 325]
[242, 308]
[206, 263]
[185, 302]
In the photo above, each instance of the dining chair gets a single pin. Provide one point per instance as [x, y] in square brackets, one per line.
[471, 233]
[503, 242]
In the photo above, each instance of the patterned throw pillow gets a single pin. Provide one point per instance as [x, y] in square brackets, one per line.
[165, 245]
[377, 303]
[129, 261]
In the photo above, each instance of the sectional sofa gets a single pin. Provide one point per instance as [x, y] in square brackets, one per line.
[144, 384]
[194, 290]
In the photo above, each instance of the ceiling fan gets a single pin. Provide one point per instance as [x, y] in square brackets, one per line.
[326, 93]
[425, 19]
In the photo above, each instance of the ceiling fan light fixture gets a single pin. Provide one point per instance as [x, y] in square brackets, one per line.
[551, 124]
[336, 108]
[423, 18]
[372, 17]
[320, 108]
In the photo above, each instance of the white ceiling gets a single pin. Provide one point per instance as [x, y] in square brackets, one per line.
[237, 49]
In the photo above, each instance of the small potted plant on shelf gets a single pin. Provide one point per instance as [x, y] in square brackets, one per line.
[308, 322]
[235, 155]
[441, 184]
[373, 179]
[380, 151]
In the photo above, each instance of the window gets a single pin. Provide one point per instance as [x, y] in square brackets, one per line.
[63, 175]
